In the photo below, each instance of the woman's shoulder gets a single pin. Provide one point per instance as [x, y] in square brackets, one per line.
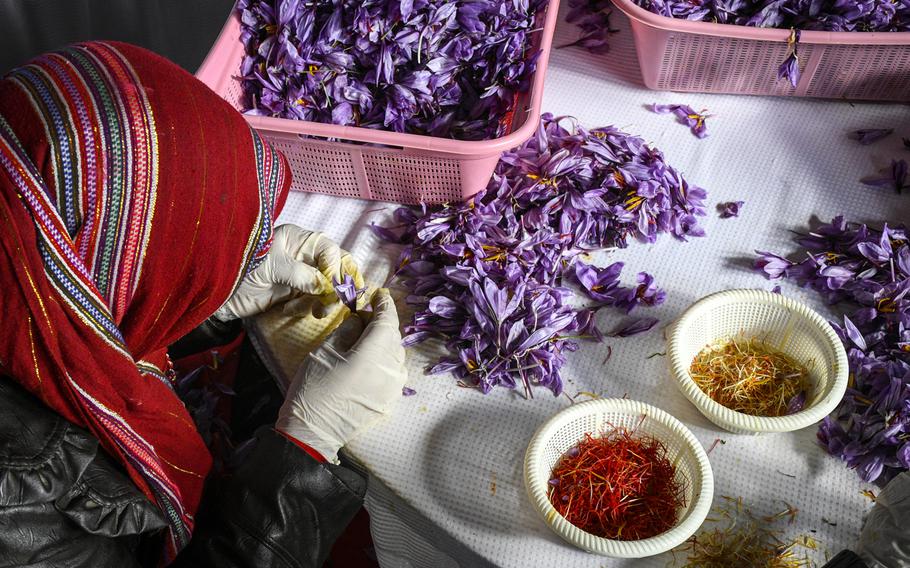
[60, 490]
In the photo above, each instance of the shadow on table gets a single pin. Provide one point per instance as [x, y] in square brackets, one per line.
[474, 467]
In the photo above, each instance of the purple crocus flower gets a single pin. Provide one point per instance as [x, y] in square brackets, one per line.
[866, 136]
[685, 115]
[729, 209]
[789, 69]
[347, 291]
[601, 284]
[894, 176]
[774, 266]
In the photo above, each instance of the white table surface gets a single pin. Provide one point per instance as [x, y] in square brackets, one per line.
[441, 451]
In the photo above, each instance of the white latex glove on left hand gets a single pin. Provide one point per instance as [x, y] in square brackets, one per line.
[349, 382]
[300, 263]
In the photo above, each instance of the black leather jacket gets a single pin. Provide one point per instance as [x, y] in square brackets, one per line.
[65, 503]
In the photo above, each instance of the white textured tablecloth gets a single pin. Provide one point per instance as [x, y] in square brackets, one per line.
[446, 467]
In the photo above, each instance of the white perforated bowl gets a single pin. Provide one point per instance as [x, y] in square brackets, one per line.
[785, 324]
[568, 427]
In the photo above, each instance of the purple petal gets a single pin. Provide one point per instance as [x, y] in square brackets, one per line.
[854, 334]
[634, 327]
[729, 209]
[867, 136]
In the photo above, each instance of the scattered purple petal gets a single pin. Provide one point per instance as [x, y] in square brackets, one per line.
[408, 391]
[635, 327]
[685, 115]
[776, 289]
[797, 403]
[385, 234]
[867, 136]
[729, 209]
[894, 176]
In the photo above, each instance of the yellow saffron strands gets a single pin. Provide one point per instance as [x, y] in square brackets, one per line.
[748, 376]
[736, 539]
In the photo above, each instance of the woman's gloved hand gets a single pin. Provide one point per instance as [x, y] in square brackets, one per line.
[885, 539]
[346, 384]
[300, 263]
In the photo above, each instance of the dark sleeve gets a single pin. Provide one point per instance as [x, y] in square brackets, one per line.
[210, 333]
[281, 508]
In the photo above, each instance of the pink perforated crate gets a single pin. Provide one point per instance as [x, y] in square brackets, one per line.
[679, 55]
[407, 168]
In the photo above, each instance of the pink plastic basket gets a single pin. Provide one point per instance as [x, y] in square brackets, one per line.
[408, 168]
[679, 55]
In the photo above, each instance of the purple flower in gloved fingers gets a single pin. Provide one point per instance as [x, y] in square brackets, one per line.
[347, 291]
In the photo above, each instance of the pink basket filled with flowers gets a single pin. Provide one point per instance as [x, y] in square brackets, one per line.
[412, 103]
[832, 49]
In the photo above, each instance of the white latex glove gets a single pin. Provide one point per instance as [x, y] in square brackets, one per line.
[349, 382]
[885, 539]
[300, 263]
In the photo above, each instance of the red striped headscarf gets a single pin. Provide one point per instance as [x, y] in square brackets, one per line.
[132, 202]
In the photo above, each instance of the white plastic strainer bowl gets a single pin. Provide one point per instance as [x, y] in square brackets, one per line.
[786, 325]
[568, 427]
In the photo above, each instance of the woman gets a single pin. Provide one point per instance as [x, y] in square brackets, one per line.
[134, 203]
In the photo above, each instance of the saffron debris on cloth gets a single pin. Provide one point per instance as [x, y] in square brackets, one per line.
[734, 536]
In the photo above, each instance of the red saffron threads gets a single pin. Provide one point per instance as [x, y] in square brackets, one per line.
[617, 486]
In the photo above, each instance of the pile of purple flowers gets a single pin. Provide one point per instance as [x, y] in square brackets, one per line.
[437, 67]
[824, 15]
[869, 271]
[487, 276]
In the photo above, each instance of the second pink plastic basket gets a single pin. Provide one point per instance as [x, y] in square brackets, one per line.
[679, 55]
[374, 164]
